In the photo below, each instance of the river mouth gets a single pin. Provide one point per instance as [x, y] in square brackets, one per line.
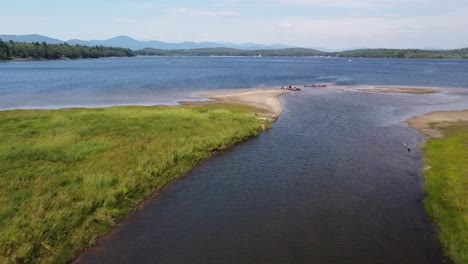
[330, 183]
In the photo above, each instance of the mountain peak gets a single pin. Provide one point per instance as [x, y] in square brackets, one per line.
[123, 37]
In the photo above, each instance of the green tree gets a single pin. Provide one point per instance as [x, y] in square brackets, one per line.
[4, 51]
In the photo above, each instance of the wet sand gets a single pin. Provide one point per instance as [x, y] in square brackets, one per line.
[391, 89]
[407, 90]
[267, 100]
[427, 124]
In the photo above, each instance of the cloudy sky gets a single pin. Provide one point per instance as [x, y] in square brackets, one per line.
[332, 24]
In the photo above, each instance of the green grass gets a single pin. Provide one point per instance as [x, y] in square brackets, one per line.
[447, 188]
[67, 175]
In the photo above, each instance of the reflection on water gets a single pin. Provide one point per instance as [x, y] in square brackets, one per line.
[330, 183]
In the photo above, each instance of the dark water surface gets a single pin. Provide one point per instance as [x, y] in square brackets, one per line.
[330, 183]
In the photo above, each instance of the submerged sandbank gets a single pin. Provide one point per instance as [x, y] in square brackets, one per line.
[391, 89]
[427, 124]
[407, 90]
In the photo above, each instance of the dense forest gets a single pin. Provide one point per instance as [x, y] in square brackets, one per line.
[406, 53]
[302, 52]
[292, 52]
[36, 51]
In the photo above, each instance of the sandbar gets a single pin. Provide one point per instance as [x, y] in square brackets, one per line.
[267, 100]
[407, 90]
[428, 123]
[394, 89]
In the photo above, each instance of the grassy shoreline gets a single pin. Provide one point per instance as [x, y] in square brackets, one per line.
[447, 188]
[446, 177]
[67, 176]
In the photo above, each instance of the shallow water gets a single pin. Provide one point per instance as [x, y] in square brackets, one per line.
[330, 183]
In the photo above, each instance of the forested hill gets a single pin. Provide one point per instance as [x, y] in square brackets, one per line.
[43, 51]
[406, 53]
[293, 52]
[302, 52]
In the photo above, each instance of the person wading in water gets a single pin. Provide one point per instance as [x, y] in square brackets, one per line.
[404, 144]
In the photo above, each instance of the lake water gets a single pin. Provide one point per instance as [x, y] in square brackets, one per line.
[164, 80]
[330, 183]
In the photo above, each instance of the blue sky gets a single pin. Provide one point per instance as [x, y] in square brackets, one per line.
[310, 23]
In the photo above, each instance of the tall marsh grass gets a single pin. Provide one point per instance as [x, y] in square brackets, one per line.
[447, 188]
[67, 175]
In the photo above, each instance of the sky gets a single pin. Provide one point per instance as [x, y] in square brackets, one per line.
[332, 24]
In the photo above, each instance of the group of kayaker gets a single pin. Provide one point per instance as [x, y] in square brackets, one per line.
[294, 88]
[290, 88]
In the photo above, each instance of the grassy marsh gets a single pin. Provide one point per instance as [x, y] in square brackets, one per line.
[67, 175]
[447, 187]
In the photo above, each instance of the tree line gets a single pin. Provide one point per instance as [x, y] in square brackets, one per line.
[406, 53]
[303, 52]
[291, 52]
[37, 51]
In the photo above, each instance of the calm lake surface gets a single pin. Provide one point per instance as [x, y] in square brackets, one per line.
[330, 183]
[164, 80]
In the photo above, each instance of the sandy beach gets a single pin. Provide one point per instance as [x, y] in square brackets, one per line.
[427, 124]
[267, 100]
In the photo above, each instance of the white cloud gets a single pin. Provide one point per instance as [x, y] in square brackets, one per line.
[335, 3]
[442, 30]
[315, 3]
[349, 4]
[201, 12]
[285, 26]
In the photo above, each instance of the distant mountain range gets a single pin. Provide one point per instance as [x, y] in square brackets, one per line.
[30, 39]
[133, 44]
